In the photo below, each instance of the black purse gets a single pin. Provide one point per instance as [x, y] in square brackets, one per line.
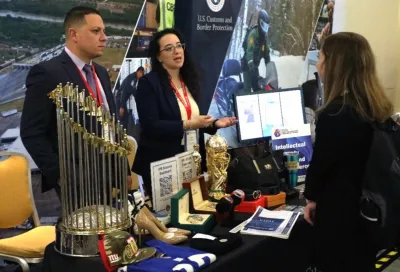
[256, 174]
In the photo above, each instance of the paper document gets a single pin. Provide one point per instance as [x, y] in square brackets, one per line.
[277, 224]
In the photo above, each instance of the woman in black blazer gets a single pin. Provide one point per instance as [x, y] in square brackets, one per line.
[166, 103]
[353, 99]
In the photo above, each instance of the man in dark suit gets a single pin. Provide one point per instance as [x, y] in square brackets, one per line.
[127, 111]
[85, 41]
[128, 89]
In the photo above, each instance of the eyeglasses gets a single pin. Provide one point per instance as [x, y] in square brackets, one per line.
[172, 48]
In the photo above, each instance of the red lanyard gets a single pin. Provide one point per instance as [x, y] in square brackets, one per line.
[185, 103]
[99, 97]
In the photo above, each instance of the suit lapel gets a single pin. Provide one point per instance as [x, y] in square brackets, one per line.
[106, 84]
[74, 76]
[171, 98]
[72, 71]
[76, 79]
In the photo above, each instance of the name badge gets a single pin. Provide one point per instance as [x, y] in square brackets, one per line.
[191, 139]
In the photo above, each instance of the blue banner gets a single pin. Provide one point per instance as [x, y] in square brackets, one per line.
[295, 139]
[207, 26]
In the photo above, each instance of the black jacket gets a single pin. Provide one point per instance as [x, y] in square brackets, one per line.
[161, 123]
[334, 181]
[39, 121]
[341, 150]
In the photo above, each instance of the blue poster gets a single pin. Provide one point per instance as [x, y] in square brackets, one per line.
[208, 26]
[295, 139]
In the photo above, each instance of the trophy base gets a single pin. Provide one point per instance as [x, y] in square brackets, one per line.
[76, 245]
[216, 195]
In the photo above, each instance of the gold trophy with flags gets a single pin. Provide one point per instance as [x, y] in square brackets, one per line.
[218, 158]
[93, 149]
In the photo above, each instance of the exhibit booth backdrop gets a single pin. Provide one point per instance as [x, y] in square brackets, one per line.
[323, 28]
[216, 32]
[125, 90]
[146, 27]
[32, 32]
[207, 27]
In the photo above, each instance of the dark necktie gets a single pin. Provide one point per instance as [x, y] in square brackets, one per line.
[90, 78]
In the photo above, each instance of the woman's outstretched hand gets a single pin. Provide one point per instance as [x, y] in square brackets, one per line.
[226, 122]
[202, 121]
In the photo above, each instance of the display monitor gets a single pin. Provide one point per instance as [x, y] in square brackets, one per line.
[258, 113]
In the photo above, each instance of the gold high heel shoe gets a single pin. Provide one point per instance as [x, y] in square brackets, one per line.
[144, 223]
[161, 225]
[136, 231]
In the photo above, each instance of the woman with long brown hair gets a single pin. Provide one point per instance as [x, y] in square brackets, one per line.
[354, 99]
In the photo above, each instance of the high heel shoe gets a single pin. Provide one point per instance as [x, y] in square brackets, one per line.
[161, 225]
[144, 223]
[136, 231]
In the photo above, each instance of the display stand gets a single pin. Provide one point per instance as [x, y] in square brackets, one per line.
[198, 196]
[182, 218]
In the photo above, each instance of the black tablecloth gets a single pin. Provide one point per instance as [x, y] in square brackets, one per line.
[256, 253]
[268, 254]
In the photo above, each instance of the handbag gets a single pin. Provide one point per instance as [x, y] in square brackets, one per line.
[255, 174]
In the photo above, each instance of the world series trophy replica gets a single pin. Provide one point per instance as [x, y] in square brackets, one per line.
[217, 163]
[93, 149]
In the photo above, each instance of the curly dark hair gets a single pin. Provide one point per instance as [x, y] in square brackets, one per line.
[188, 71]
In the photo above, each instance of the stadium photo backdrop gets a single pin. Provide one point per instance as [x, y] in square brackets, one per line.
[32, 31]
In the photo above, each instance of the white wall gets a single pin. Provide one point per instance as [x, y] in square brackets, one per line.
[379, 22]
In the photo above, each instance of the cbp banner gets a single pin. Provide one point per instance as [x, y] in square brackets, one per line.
[267, 51]
[295, 139]
[207, 26]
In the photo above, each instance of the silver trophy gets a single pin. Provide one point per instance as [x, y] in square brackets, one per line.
[93, 149]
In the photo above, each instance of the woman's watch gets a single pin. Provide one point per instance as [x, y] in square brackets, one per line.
[213, 123]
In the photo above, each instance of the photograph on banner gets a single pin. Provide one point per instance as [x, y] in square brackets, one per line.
[267, 52]
[33, 33]
[164, 183]
[322, 30]
[147, 25]
[125, 91]
[296, 138]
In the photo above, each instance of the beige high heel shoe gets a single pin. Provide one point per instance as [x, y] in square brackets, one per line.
[144, 223]
[161, 225]
[136, 231]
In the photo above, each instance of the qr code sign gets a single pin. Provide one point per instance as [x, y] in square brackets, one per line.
[187, 174]
[166, 185]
